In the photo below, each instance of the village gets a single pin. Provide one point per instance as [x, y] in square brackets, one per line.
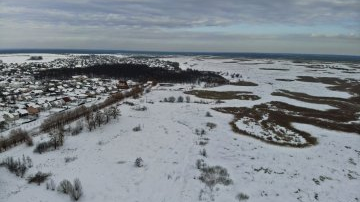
[24, 100]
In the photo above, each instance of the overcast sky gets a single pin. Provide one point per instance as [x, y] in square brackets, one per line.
[286, 26]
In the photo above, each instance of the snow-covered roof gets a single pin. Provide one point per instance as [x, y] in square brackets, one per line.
[22, 111]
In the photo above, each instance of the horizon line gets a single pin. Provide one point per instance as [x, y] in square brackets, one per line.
[157, 51]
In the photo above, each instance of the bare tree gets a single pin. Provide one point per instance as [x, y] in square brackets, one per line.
[115, 112]
[99, 117]
[57, 137]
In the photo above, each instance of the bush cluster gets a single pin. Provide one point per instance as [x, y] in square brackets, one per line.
[57, 140]
[212, 175]
[139, 162]
[98, 117]
[78, 128]
[15, 137]
[38, 178]
[18, 167]
[137, 128]
[74, 191]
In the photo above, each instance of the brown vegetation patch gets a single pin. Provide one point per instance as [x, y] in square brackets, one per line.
[288, 80]
[275, 69]
[351, 86]
[223, 95]
[274, 115]
[243, 83]
[349, 105]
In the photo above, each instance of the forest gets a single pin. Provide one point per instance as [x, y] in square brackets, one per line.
[136, 72]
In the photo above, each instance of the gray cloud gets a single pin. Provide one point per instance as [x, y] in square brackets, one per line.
[183, 13]
[157, 24]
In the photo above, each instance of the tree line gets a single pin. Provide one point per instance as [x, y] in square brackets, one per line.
[137, 72]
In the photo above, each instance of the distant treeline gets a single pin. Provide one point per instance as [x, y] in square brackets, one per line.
[137, 72]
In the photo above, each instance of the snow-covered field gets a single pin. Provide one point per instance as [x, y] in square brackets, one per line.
[169, 146]
[22, 58]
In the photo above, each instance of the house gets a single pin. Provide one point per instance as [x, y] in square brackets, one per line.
[131, 83]
[22, 112]
[66, 99]
[122, 85]
[33, 111]
[46, 106]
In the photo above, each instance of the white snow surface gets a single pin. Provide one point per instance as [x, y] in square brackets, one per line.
[24, 57]
[169, 147]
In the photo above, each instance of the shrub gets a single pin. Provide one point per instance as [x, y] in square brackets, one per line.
[137, 128]
[200, 164]
[202, 143]
[135, 96]
[212, 175]
[171, 99]
[43, 147]
[51, 185]
[28, 140]
[242, 197]
[211, 125]
[76, 192]
[65, 186]
[219, 102]
[203, 153]
[78, 128]
[129, 103]
[208, 114]
[200, 132]
[140, 108]
[139, 162]
[17, 167]
[69, 159]
[38, 178]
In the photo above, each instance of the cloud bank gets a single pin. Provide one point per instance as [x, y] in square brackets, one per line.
[316, 26]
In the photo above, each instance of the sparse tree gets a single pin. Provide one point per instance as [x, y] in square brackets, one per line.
[57, 137]
[115, 112]
[180, 99]
[99, 118]
[171, 99]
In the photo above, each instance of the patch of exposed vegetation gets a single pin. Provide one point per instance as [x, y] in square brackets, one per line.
[287, 80]
[243, 83]
[274, 119]
[274, 69]
[242, 197]
[223, 95]
[213, 175]
[351, 86]
[38, 178]
[350, 105]
[18, 167]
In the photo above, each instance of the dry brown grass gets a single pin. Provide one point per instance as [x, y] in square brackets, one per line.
[274, 69]
[243, 83]
[223, 95]
[351, 86]
[283, 114]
